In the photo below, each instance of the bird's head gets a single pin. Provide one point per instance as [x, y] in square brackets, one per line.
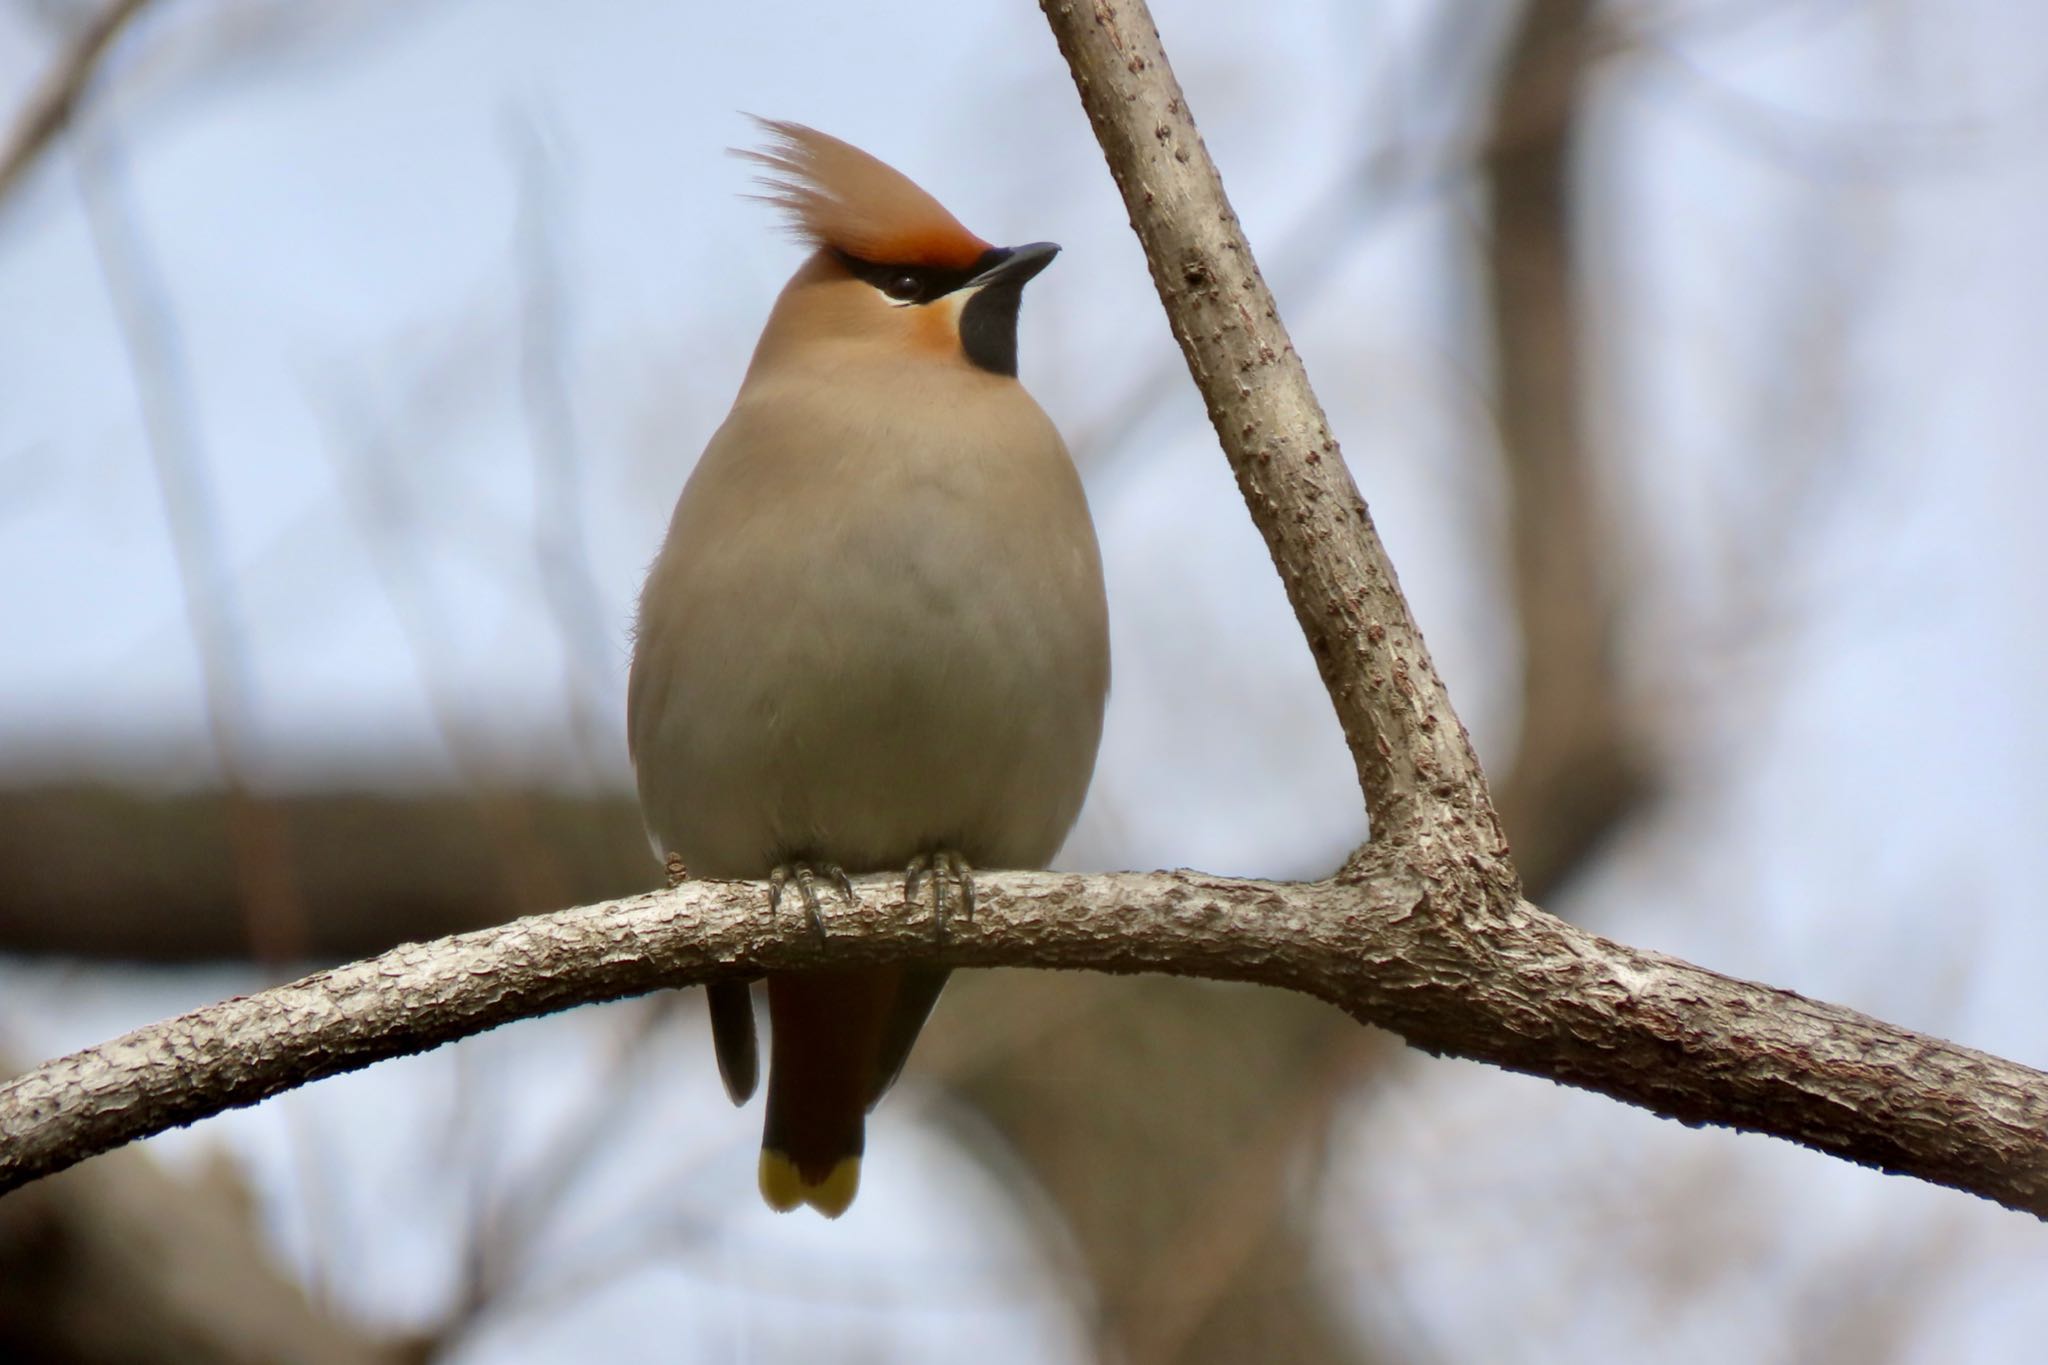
[893, 268]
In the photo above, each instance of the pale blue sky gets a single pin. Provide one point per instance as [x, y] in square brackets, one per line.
[1814, 239]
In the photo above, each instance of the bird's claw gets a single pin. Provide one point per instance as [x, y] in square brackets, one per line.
[807, 876]
[944, 869]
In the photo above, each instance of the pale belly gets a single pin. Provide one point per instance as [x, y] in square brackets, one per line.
[859, 695]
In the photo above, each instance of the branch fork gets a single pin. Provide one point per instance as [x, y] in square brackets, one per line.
[1424, 931]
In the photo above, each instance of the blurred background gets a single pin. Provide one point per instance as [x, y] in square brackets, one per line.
[1690, 355]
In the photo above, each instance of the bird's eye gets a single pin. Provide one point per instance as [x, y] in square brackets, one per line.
[903, 288]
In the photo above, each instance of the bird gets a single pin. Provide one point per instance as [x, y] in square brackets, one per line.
[875, 638]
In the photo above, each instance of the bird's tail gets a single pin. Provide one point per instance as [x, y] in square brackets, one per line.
[826, 1032]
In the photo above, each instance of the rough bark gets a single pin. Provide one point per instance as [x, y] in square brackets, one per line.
[1092, 1083]
[1395, 943]
[1414, 759]
[1424, 933]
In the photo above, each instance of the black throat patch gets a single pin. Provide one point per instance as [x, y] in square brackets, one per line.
[988, 327]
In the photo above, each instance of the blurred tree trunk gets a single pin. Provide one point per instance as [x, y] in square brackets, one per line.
[1577, 770]
[98, 872]
[1173, 1125]
[1169, 1123]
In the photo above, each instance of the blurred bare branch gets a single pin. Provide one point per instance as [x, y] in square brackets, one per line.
[1238, 1228]
[562, 556]
[1578, 767]
[203, 47]
[523, 861]
[273, 910]
[50, 109]
[1579, 770]
[512, 1218]
[121, 1261]
[1148, 1112]
[132, 876]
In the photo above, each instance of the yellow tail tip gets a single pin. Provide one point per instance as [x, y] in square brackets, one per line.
[781, 1185]
[784, 1186]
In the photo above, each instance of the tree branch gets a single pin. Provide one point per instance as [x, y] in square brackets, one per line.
[1521, 990]
[1424, 932]
[1414, 759]
[50, 108]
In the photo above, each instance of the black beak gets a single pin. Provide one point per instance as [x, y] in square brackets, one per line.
[1015, 265]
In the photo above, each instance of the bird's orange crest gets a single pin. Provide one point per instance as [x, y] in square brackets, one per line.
[839, 196]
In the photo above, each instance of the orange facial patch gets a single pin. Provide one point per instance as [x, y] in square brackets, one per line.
[935, 327]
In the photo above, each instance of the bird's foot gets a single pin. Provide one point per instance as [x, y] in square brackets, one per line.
[951, 880]
[677, 872]
[807, 876]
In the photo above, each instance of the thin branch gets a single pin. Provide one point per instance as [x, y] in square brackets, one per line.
[1422, 934]
[49, 111]
[1521, 990]
[561, 550]
[273, 909]
[1414, 759]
